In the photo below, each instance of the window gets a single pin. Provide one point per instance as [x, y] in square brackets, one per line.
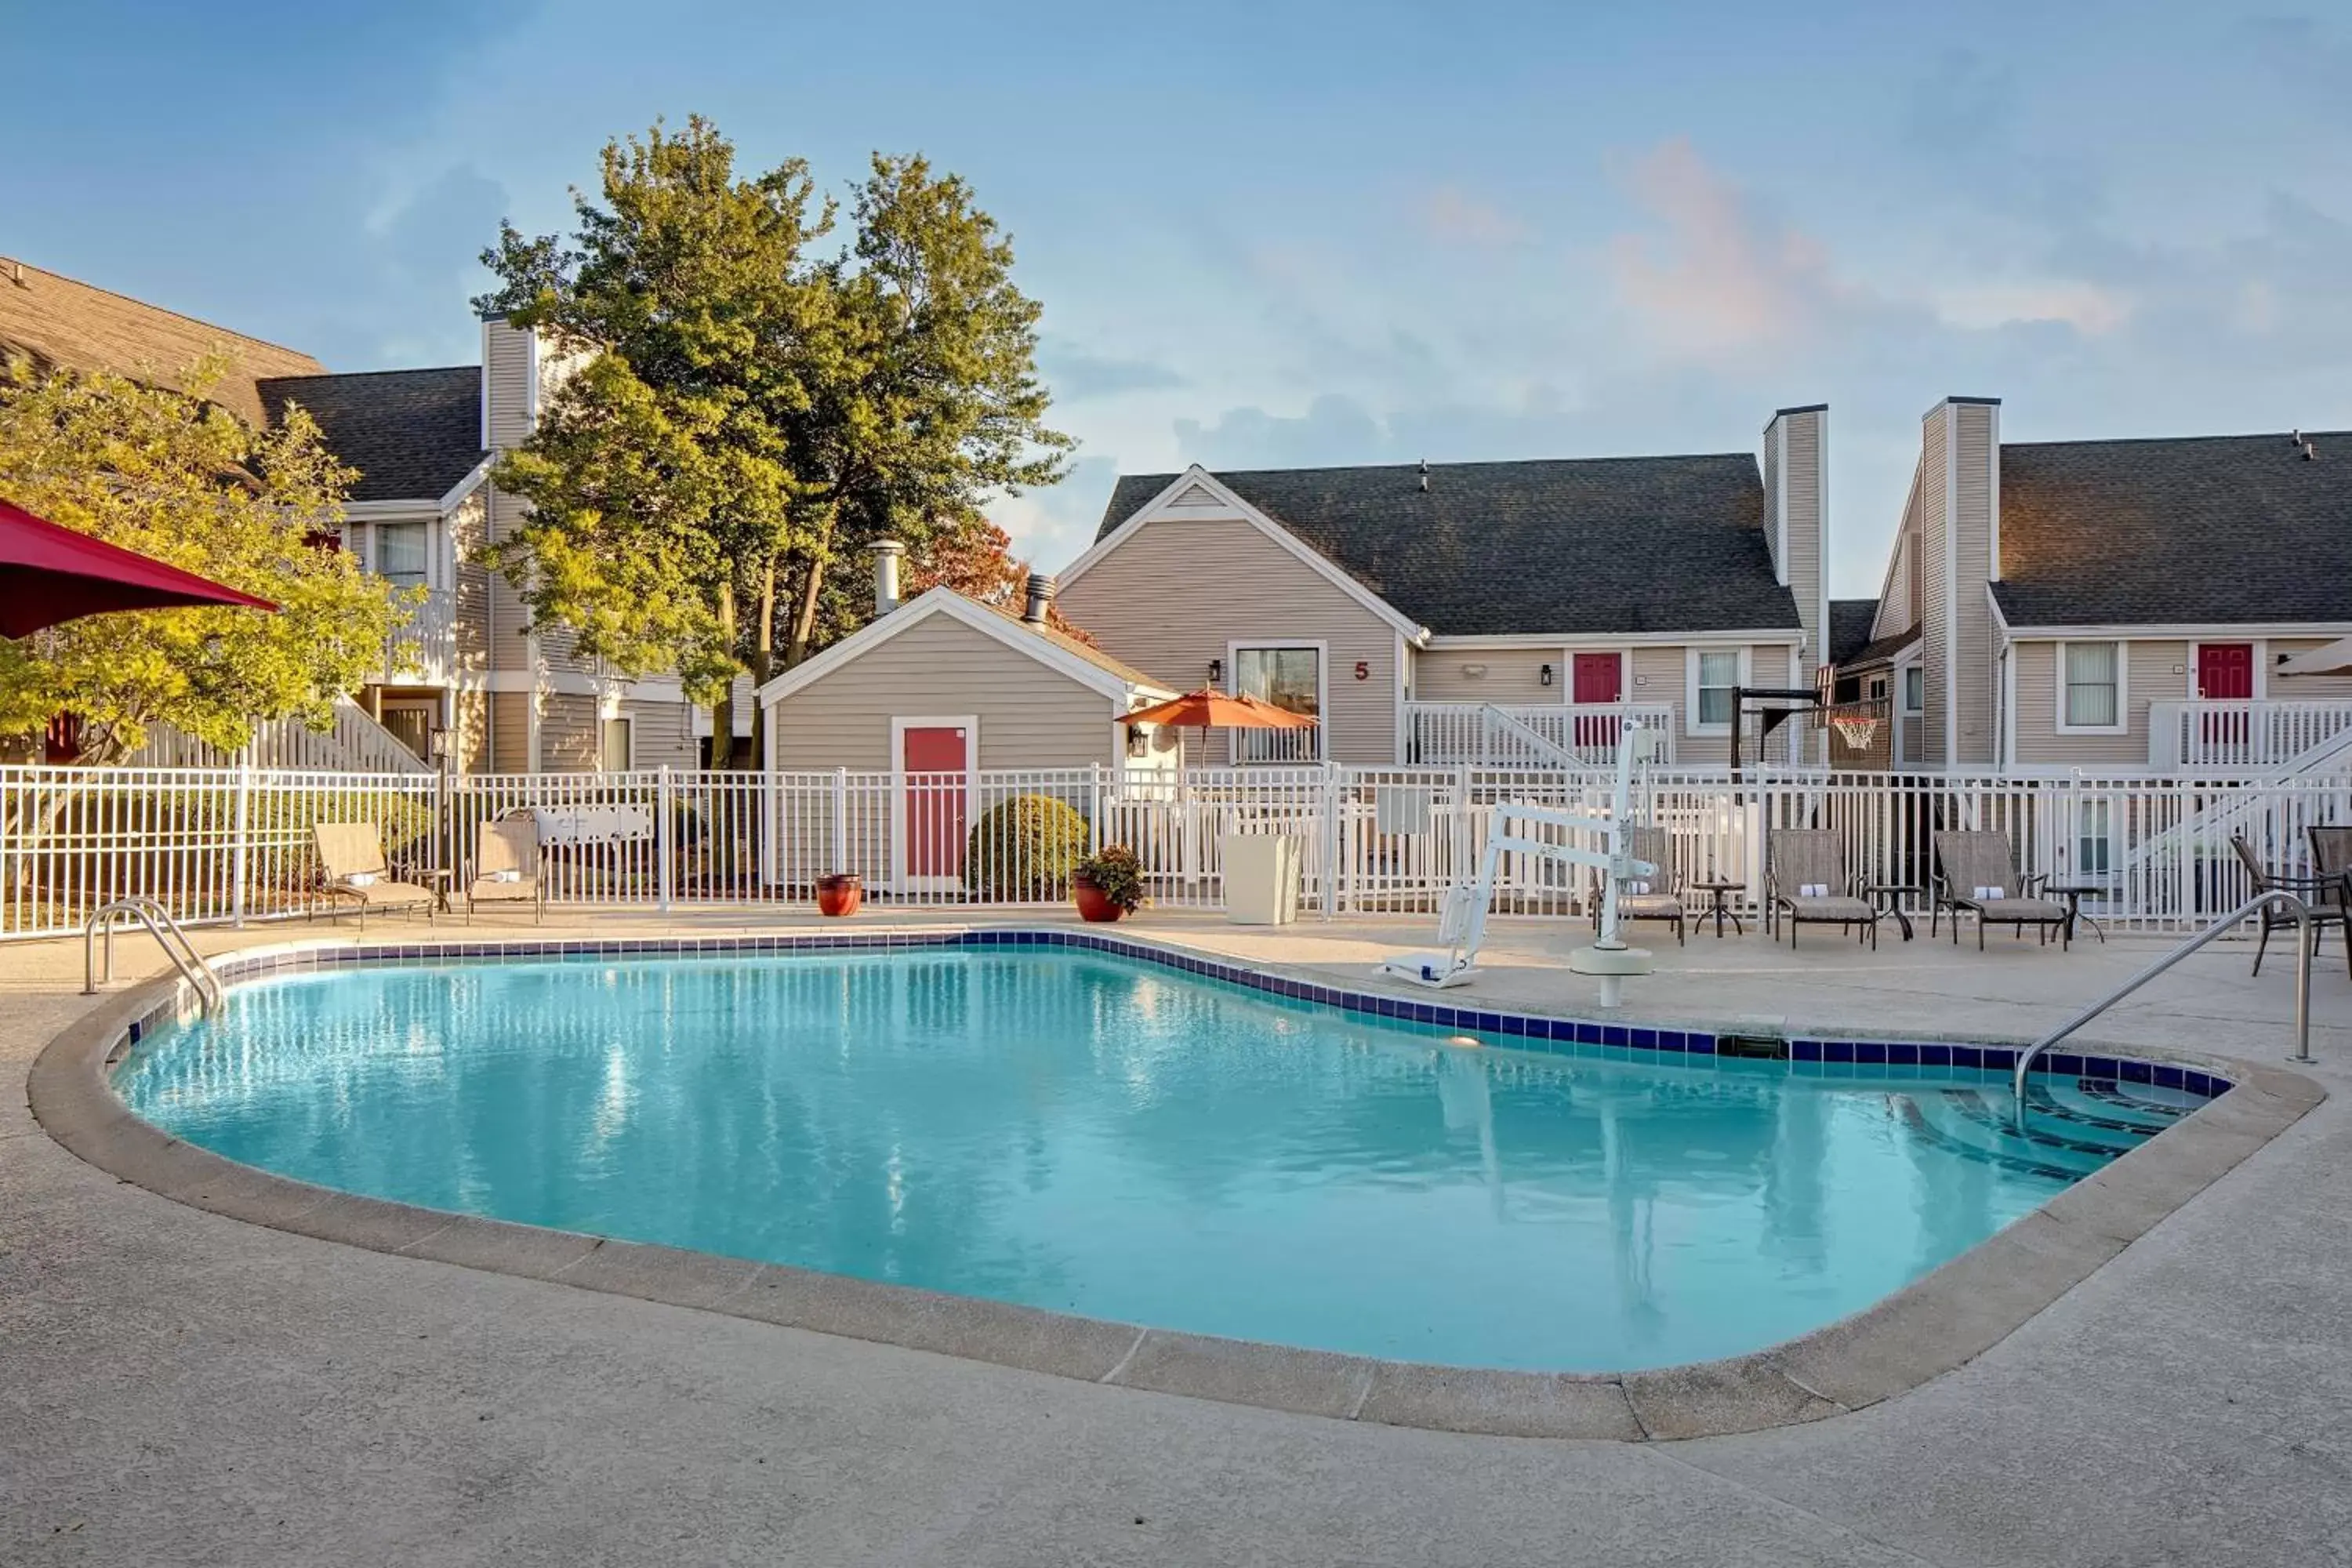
[616, 744]
[1915, 690]
[400, 553]
[2090, 677]
[1878, 688]
[1714, 673]
[2094, 841]
[1291, 678]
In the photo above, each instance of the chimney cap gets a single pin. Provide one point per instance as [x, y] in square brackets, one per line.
[1041, 598]
[887, 547]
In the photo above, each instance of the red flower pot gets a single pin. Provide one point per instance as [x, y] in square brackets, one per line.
[839, 894]
[1093, 904]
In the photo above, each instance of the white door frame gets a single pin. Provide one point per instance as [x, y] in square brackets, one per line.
[1322, 648]
[900, 881]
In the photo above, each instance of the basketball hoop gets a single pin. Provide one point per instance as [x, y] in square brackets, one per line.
[1856, 730]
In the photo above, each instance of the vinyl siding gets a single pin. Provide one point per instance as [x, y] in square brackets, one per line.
[473, 717]
[570, 737]
[662, 734]
[2301, 688]
[469, 532]
[2148, 678]
[510, 733]
[1181, 589]
[1935, 611]
[507, 375]
[1031, 716]
[1514, 676]
[1971, 611]
[1804, 528]
[509, 617]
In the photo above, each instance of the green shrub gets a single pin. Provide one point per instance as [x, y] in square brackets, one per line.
[1116, 873]
[1024, 850]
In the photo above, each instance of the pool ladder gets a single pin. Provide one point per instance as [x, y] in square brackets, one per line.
[168, 935]
[2227, 924]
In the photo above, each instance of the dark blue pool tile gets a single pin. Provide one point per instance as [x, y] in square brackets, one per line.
[1870, 1052]
[1934, 1055]
[2000, 1058]
[1837, 1050]
[1967, 1056]
[2200, 1083]
[2065, 1064]
[1670, 1040]
[1643, 1039]
[2139, 1072]
[1699, 1044]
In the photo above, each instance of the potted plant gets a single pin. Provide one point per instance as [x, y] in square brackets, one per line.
[1107, 884]
[839, 894]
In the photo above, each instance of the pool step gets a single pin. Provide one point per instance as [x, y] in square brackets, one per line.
[1963, 1122]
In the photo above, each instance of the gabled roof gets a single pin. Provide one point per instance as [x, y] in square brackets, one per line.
[1566, 546]
[1879, 650]
[1074, 658]
[2194, 530]
[412, 434]
[60, 323]
[1850, 623]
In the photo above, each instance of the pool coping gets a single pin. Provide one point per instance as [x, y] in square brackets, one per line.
[1934, 1325]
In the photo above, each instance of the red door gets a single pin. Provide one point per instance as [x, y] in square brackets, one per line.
[934, 760]
[1597, 678]
[2225, 673]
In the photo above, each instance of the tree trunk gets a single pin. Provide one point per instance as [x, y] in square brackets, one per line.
[722, 712]
[763, 659]
[803, 631]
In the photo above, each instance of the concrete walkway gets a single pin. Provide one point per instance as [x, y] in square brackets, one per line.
[177, 1387]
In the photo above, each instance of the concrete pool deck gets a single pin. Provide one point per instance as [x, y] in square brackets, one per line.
[179, 1386]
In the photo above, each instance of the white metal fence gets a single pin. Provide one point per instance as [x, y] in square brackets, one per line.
[2259, 734]
[222, 844]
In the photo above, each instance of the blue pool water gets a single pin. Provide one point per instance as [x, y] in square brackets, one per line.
[1097, 1135]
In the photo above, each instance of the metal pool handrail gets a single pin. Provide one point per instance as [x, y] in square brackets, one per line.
[158, 921]
[2229, 922]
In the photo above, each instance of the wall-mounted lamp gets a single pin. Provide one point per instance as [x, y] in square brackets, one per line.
[1217, 672]
[1138, 742]
[1544, 674]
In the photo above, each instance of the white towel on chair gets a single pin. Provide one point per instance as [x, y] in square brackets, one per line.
[1986, 895]
[1813, 889]
[1637, 887]
[504, 876]
[361, 879]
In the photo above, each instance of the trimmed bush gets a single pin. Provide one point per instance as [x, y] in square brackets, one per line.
[1024, 850]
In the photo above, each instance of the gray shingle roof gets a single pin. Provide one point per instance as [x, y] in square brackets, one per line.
[1850, 627]
[1567, 546]
[1880, 650]
[2200, 528]
[412, 434]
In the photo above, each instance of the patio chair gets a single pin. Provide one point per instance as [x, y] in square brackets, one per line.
[1976, 873]
[1806, 882]
[506, 868]
[350, 858]
[1659, 896]
[2324, 894]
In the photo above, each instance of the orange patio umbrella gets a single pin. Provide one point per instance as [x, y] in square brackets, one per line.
[1211, 709]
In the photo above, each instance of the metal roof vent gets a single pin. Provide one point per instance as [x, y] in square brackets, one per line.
[1425, 476]
[2310, 452]
[1041, 596]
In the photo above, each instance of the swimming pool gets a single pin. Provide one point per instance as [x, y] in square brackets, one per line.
[1108, 1136]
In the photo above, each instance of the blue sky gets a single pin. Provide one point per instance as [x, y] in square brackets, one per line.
[1281, 233]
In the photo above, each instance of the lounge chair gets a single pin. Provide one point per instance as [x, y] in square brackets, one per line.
[351, 859]
[1806, 882]
[2324, 894]
[1656, 896]
[1659, 896]
[506, 868]
[1976, 872]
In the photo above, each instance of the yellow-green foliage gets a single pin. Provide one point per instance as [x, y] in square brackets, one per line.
[184, 481]
[1025, 849]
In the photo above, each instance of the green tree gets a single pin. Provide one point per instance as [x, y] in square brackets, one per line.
[936, 405]
[752, 413]
[661, 477]
[174, 478]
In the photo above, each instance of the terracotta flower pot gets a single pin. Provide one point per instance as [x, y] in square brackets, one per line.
[839, 894]
[1093, 903]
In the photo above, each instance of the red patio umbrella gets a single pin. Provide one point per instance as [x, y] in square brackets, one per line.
[50, 574]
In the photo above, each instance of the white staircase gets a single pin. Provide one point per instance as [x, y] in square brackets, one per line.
[354, 744]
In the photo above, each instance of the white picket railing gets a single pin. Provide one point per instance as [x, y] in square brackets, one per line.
[2209, 736]
[1452, 734]
[354, 744]
[222, 845]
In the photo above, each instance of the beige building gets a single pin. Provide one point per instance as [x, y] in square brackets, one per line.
[1462, 613]
[2112, 607]
[467, 675]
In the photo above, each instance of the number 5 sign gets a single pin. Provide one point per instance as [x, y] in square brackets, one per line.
[1363, 669]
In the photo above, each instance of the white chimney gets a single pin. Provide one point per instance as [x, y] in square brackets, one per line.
[1041, 596]
[886, 553]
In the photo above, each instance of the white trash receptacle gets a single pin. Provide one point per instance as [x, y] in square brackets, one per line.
[1261, 878]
